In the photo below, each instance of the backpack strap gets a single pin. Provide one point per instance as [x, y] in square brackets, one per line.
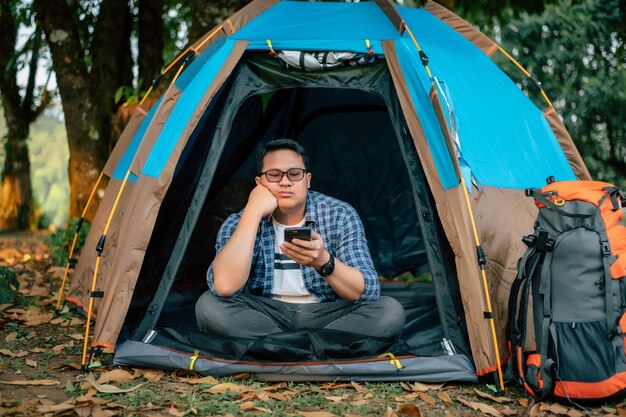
[539, 196]
[545, 289]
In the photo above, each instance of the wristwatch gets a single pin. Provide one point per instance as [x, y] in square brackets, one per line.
[328, 268]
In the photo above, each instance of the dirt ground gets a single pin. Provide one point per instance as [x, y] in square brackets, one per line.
[40, 356]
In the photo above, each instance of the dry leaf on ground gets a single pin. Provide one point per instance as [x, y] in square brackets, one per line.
[499, 400]
[228, 386]
[109, 389]
[116, 375]
[445, 397]
[316, 414]
[359, 387]
[427, 398]
[204, 380]
[420, 387]
[409, 410]
[32, 382]
[483, 408]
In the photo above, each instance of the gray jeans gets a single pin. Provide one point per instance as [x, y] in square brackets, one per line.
[251, 316]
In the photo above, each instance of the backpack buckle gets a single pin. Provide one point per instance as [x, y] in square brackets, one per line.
[529, 240]
[606, 249]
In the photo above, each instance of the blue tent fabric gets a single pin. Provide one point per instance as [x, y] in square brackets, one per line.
[505, 139]
[184, 109]
[127, 158]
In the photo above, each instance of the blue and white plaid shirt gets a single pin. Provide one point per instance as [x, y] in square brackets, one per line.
[342, 232]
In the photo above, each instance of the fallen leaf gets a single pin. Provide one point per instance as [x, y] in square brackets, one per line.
[248, 405]
[409, 410]
[336, 399]
[59, 348]
[278, 396]
[228, 386]
[77, 336]
[359, 387]
[205, 380]
[242, 377]
[38, 319]
[31, 363]
[39, 291]
[316, 414]
[32, 382]
[58, 320]
[406, 386]
[76, 321]
[558, 409]
[523, 402]
[109, 389]
[608, 410]
[499, 400]
[153, 376]
[483, 408]
[116, 375]
[419, 387]
[508, 411]
[390, 412]
[535, 411]
[11, 337]
[427, 398]
[443, 396]
[10, 354]
[45, 401]
[575, 413]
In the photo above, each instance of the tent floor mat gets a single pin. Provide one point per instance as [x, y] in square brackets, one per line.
[412, 368]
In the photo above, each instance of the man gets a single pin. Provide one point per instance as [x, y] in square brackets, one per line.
[260, 284]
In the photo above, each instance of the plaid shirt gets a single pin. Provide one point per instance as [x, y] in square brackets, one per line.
[342, 232]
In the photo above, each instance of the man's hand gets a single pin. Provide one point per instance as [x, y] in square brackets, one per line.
[261, 201]
[307, 253]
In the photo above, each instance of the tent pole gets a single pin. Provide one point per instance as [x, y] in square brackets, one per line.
[93, 294]
[480, 254]
[70, 261]
[188, 57]
[527, 74]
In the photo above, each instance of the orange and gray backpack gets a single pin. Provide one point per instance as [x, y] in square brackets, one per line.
[570, 348]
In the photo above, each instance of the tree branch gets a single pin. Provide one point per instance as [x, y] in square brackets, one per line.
[27, 103]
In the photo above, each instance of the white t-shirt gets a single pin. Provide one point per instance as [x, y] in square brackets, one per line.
[288, 284]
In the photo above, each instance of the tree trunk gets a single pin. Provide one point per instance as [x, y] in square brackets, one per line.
[151, 40]
[88, 97]
[16, 197]
[87, 147]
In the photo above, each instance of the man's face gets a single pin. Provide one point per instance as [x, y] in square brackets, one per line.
[291, 195]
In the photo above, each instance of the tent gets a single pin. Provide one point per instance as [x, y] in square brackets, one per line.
[426, 137]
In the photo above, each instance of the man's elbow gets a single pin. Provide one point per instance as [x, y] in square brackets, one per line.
[224, 288]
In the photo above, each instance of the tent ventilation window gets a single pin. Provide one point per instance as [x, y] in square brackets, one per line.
[323, 61]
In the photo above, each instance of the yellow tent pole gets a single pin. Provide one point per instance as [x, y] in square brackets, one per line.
[101, 242]
[480, 255]
[99, 249]
[78, 226]
[527, 74]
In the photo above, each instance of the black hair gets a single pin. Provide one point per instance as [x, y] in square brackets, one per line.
[278, 144]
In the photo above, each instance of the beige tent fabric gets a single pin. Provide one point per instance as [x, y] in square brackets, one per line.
[122, 143]
[81, 280]
[503, 217]
[464, 28]
[138, 222]
[80, 287]
[567, 144]
[454, 217]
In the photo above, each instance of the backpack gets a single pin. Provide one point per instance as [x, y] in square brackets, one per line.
[573, 276]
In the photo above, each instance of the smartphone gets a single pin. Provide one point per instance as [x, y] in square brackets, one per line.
[302, 233]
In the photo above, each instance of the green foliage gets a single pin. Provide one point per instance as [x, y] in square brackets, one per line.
[576, 49]
[129, 95]
[49, 155]
[60, 241]
[8, 286]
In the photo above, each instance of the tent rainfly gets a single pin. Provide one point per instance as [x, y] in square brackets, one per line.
[417, 128]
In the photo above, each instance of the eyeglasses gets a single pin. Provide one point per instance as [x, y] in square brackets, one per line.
[276, 175]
